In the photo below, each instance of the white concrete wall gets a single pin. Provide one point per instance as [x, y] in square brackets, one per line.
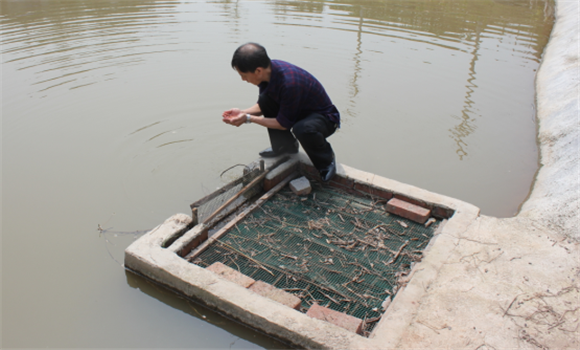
[555, 198]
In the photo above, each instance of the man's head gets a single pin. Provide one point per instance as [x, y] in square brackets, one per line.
[252, 63]
[249, 57]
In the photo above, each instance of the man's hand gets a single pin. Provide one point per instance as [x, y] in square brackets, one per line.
[234, 117]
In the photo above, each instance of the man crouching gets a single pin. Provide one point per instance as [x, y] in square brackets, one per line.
[292, 104]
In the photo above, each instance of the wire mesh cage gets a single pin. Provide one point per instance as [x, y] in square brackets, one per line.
[333, 248]
[225, 199]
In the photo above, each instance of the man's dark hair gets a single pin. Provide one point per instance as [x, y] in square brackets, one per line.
[249, 57]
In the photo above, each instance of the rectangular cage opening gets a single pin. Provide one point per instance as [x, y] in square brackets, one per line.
[335, 248]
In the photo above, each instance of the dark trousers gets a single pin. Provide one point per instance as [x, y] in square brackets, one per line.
[310, 131]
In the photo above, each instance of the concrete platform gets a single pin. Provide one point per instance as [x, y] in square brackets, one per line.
[148, 257]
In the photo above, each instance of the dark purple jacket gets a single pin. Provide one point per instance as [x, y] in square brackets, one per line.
[298, 93]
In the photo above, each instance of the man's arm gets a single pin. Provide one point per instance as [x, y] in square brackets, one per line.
[270, 123]
[238, 117]
[254, 110]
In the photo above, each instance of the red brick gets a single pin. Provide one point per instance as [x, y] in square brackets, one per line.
[410, 200]
[339, 181]
[308, 170]
[194, 243]
[408, 210]
[271, 182]
[231, 274]
[442, 212]
[269, 291]
[337, 318]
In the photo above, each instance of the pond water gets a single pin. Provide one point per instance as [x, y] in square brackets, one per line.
[111, 118]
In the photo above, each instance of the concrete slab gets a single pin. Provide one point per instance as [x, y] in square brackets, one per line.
[505, 284]
[146, 256]
[301, 186]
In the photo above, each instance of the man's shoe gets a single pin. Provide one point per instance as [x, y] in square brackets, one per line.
[270, 153]
[328, 173]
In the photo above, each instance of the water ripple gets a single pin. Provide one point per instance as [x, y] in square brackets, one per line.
[62, 45]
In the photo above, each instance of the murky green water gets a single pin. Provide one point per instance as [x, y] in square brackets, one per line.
[111, 116]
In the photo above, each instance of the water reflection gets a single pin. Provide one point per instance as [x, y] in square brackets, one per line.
[453, 21]
[201, 312]
[452, 24]
[467, 120]
[351, 109]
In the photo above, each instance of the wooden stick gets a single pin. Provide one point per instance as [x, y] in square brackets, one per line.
[249, 258]
[213, 195]
[398, 253]
[243, 190]
[241, 216]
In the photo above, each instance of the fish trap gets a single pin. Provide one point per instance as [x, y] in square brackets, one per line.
[339, 249]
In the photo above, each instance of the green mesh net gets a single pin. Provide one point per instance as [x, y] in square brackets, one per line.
[334, 248]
